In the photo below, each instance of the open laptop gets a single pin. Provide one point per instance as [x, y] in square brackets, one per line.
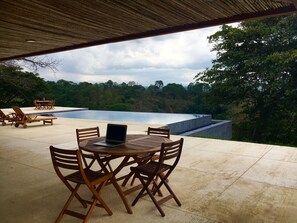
[115, 135]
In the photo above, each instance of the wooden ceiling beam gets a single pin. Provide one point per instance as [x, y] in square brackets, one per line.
[272, 12]
[295, 3]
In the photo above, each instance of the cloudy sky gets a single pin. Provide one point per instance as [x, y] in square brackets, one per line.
[174, 58]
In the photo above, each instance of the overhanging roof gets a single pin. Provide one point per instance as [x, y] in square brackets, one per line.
[36, 27]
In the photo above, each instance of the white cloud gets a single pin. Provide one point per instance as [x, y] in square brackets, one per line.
[174, 58]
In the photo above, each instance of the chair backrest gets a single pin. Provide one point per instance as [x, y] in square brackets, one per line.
[19, 113]
[170, 151]
[51, 102]
[65, 159]
[159, 131]
[87, 133]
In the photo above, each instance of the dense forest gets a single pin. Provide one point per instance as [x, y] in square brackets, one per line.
[172, 98]
[252, 81]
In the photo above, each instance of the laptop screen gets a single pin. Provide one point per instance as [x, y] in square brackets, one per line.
[116, 133]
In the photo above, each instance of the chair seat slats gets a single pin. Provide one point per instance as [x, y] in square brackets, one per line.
[150, 168]
[90, 174]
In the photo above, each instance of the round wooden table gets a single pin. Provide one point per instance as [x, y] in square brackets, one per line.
[135, 145]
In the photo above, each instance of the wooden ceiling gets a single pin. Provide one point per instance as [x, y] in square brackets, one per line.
[36, 27]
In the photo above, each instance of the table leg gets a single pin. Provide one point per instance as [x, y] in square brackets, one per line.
[114, 180]
[123, 197]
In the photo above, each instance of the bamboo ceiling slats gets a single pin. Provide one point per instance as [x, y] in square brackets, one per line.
[59, 25]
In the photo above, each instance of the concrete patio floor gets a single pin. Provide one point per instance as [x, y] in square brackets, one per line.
[216, 180]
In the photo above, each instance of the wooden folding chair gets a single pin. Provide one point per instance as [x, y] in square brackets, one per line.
[147, 173]
[70, 160]
[37, 104]
[162, 132]
[51, 104]
[86, 134]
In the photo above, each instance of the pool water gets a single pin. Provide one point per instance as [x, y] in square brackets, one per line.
[133, 117]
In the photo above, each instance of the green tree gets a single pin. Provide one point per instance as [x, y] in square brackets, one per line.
[159, 84]
[175, 98]
[255, 74]
[119, 107]
[64, 92]
[174, 91]
[19, 87]
[200, 101]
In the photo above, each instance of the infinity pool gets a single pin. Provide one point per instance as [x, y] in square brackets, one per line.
[134, 117]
